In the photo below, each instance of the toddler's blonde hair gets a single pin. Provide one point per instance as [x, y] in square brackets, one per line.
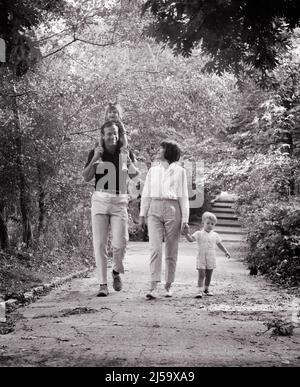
[210, 216]
[111, 107]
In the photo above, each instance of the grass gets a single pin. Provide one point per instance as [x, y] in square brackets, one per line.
[22, 271]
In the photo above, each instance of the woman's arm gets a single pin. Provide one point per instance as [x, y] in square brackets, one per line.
[184, 198]
[146, 196]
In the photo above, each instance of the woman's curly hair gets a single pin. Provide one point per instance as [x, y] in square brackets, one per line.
[172, 151]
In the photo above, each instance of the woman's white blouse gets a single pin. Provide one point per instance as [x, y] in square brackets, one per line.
[166, 183]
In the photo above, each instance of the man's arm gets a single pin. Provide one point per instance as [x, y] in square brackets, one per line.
[91, 165]
[133, 171]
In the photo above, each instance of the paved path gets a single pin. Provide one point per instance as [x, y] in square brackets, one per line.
[126, 330]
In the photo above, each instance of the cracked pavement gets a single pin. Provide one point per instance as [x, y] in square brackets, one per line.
[72, 327]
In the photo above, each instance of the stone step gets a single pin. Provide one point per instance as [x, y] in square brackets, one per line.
[225, 215]
[222, 204]
[232, 237]
[229, 230]
[228, 223]
[225, 210]
[223, 201]
[227, 196]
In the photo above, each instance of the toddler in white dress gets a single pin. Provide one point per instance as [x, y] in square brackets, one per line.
[207, 240]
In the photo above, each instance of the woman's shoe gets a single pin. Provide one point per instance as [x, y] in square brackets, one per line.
[152, 294]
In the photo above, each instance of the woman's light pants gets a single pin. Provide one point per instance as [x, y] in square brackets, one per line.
[164, 222]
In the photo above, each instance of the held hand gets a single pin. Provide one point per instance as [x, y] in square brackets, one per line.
[142, 223]
[185, 228]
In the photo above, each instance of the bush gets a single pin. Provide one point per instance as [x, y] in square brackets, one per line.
[274, 241]
[267, 210]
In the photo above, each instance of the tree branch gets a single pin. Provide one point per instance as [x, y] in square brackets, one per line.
[15, 95]
[96, 44]
[59, 49]
[75, 39]
[145, 71]
[53, 35]
[84, 132]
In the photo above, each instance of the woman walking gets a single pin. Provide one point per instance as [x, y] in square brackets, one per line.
[165, 203]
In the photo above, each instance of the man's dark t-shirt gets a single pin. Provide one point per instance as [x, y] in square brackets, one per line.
[109, 175]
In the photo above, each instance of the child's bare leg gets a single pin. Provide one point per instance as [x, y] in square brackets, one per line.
[124, 157]
[201, 276]
[208, 275]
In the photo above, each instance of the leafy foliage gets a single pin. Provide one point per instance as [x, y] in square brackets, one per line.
[234, 33]
[263, 170]
[274, 241]
[17, 21]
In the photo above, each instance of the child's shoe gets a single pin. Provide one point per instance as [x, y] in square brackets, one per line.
[168, 291]
[199, 294]
[207, 293]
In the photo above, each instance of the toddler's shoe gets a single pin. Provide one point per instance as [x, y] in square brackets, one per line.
[168, 293]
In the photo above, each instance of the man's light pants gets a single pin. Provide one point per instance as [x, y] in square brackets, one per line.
[109, 210]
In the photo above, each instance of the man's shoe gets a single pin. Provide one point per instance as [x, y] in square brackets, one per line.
[117, 282]
[103, 291]
[152, 294]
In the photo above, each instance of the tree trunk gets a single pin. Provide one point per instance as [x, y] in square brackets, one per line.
[292, 179]
[41, 202]
[3, 228]
[23, 187]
